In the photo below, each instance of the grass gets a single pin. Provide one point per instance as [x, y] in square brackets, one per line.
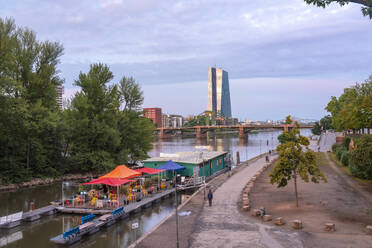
[321, 158]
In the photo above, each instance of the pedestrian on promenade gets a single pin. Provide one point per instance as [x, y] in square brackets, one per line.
[210, 197]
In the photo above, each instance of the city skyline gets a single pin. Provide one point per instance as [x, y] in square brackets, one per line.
[291, 63]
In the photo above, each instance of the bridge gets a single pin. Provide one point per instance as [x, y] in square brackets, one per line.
[201, 131]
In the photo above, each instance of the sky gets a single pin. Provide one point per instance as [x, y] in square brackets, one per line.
[283, 57]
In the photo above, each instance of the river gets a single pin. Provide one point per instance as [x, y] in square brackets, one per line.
[37, 234]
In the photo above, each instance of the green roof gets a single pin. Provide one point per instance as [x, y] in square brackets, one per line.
[194, 157]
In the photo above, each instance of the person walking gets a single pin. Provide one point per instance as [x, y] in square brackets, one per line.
[210, 197]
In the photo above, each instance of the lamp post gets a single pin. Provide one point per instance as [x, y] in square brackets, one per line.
[175, 194]
[260, 147]
[63, 202]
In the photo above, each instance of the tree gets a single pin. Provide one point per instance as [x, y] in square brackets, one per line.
[130, 94]
[326, 122]
[317, 129]
[352, 110]
[360, 162]
[366, 9]
[294, 161]
[199, 120]
[101, 133]
[94, 116]
[29, 114]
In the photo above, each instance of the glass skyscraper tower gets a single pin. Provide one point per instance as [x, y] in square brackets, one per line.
[219, 92]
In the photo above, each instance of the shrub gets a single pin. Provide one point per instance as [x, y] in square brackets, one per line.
[346, 142]
[345, 158]
[335, 146]
[339, 152]
[360, 162]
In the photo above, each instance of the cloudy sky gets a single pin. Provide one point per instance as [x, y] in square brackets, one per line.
[283, 56]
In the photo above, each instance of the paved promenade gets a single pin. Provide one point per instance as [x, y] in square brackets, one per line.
[222, 225]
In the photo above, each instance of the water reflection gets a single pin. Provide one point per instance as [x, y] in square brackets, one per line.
[254, 144]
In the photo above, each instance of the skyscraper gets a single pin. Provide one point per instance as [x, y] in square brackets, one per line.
[59, 98]
[219, 92]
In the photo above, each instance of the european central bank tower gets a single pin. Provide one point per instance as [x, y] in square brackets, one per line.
[219, 92]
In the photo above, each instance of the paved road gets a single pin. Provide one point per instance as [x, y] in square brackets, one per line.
[327, 139]
[222, 225]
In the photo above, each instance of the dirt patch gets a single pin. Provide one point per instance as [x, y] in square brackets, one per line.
[334, 202]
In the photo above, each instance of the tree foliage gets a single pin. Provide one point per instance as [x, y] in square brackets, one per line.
[366, 9]
[324, 124]
[353, 109]
[360, 162]
[29, 116]
[317, 129]
[103, 133]
[295, 159]
[101, 127]
[199, 120]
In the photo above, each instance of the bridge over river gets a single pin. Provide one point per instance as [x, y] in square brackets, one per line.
[201, 131]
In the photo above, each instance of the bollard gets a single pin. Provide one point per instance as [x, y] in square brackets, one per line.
[279, 221]
[267, 217]
[330, 227]
[297, 224]
[368, 229]
[256, 212]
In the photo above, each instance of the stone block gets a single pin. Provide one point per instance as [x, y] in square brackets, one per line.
[279, 221]
[297, 224]
[256, 212]
[368, 229]
[267, 218]
[330, 227]
[246, 208]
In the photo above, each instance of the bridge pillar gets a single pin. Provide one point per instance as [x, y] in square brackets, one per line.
[199, 133]
[162, 134]
[242, 133]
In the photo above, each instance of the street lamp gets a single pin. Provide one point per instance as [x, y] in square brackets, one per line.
[175, 195]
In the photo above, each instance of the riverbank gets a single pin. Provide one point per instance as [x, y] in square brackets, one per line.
[164, 234]
[47, 181]
[342, 201]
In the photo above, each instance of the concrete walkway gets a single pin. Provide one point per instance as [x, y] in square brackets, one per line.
[222, 225]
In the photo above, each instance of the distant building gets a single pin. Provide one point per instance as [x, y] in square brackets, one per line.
[165, 120]
[154, 114]
[248, 121]
[59, 98]
[219, 92]
[169, 120]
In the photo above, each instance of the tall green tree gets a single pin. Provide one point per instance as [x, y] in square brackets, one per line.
[352, 110]
[104, 123]
[295, 160]
[366, 9]
[93, 116]
[28, 109]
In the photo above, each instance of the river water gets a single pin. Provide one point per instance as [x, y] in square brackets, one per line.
[37, 234]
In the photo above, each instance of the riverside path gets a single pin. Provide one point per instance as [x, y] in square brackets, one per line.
[223, 225]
